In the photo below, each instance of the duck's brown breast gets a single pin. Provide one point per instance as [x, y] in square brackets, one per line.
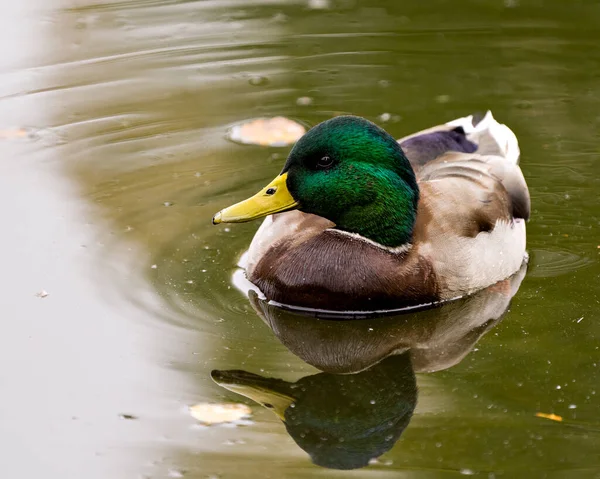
[337, 272]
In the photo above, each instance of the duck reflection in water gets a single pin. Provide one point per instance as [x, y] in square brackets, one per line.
[358, 407]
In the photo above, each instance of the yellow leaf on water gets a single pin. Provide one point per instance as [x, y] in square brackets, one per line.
[552, 417]
[210, 413]
[277, 131]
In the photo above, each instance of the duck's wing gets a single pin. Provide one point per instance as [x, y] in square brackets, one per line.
[486, 187]
[471, 219]
[471, 134]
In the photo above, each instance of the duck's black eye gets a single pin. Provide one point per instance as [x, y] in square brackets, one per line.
[324, 162]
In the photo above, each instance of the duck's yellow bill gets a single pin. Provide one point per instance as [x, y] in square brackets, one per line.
[273, 198]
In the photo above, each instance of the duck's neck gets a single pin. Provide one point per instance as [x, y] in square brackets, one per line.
[389, 219]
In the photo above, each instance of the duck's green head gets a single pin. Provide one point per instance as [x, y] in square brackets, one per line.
[349, 171]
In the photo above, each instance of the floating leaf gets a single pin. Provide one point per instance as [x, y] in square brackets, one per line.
[277, 131]
[552, 417]
[304, 101]
[210, 414]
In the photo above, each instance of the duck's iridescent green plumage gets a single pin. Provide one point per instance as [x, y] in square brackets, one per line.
[370, 188]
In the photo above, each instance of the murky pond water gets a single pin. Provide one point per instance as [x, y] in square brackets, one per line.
[107, 196]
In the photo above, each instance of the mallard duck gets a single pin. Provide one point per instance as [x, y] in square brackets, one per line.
[358, 221]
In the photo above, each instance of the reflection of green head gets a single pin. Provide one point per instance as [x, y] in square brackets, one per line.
[355, 174]
[342, 421]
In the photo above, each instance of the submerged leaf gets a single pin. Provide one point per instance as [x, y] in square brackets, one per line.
[13, 133]
[210, 414]
[277, 131]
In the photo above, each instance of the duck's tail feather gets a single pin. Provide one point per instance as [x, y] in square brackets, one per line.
[491, 137]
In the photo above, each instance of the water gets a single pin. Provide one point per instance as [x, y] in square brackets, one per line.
[107, 198]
